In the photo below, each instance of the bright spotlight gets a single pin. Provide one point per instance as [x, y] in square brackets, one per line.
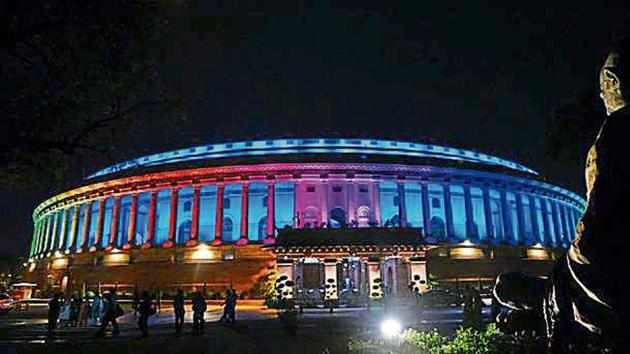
[390, 328]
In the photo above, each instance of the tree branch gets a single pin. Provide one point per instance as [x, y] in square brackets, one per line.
[74, 142]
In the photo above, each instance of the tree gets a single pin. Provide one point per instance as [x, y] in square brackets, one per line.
[77, 76]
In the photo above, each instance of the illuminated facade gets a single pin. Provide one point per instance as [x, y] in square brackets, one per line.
[209, 215]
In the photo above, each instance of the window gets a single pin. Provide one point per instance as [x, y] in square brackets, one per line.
[142, 218]
[78, 237]
[228, 229]
[257, 211]
[184, 215]
[123, 220]
[207, 212]
[284, 204]
[69, 230]
[262, 228]
[310, 189]
[435, 203]
[363, 188]
[226, 203]
[336, 189]
[438, 228]
[337, 218]
[162, 216]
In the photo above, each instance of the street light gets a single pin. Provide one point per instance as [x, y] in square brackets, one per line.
[390, 328]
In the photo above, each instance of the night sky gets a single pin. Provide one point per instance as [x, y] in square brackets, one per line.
[483, 76]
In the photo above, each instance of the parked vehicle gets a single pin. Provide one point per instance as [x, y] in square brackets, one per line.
[6, 303]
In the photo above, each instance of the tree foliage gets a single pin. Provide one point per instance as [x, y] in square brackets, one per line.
[76, 77]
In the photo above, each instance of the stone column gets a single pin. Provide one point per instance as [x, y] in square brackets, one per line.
[194, 227]
[49, 233]
[53, 233]
[533, 216]
[271, 215]
[351, 202]
[131, 228]
[62, 229]
[471, 230]
[40, 235]
[44, 236]
[38, 239]
[244, 214]
[556, 223]
[74, 226]
[172, 221]
[426, 209]
[546, 238]
[330, 279]
[520, 216]
[285, 281]
[115, 212]
[99, 225]
[374, 279]
[86, 227]
[298, 217]
[35, 239]
[418, 274]
[487, 209]
[508, 234]
[31, 248]
[376, 201]
[402, 205]
[218, 223]
[448, 210]
[565, 223]
[324, 203]
[151, 220]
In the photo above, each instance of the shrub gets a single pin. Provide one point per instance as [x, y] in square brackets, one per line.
[465, 341]
[430, 342]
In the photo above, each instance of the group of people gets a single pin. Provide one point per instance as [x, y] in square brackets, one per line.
[103, 312]
[76, 311]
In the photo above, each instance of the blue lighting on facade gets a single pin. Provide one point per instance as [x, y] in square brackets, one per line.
[311, 146]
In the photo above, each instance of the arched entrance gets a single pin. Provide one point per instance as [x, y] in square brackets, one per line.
[438, 228]
[311, 217]
[262, 228]
[228, 229]
[364, 216]
[337, 218]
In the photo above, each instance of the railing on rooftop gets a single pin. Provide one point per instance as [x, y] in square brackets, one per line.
[310, 146]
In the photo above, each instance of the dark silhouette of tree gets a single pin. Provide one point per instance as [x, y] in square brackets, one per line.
[76, 76]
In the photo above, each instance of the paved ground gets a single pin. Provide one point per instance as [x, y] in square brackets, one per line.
[257, 331]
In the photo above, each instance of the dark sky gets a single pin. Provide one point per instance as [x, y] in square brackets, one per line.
[479, 75]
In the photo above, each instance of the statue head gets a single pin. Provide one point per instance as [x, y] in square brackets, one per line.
[614, 77]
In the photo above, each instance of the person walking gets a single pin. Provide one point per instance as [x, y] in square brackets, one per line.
[54, 307]
[231, 302]
[84, 312]
[75, 307]
[178, 307]
[226, 306]
[96, 310]
[199, 309]
[111, 311]
[64, 316]
[145, 309]
[135, 302]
